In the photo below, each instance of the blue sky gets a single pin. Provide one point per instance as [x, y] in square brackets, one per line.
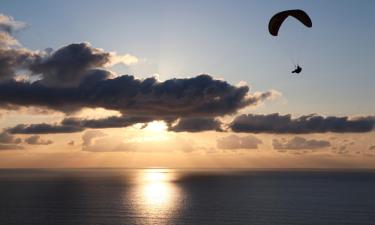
[226, 39]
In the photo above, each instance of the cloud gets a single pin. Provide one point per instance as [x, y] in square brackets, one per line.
[12, 57]
[7, 40]
[196, 124]
[89, 135]
[109, 122]
[272, 123]
[7, 26]
[105, 143]
[6, 138]
[73, 125]
[283, 124]
[108, 145]
[299, 143]
[197, 96]
[13, 60]
[126, 59]
[343, 150]
[75, 77]
[124, 144]
[234, 142]
[43, 128]
[64, 67]
[36, 140]
[69, 65]
[9, 142]
[10, 147]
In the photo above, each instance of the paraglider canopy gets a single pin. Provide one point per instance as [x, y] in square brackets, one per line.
[277, 20]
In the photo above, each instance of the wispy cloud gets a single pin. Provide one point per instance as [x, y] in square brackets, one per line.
[234, 142]
[299, 143]
[37, 140]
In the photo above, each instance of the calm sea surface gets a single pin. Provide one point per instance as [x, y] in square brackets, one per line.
[160, 196]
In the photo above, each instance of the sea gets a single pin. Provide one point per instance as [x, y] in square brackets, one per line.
[186, 196]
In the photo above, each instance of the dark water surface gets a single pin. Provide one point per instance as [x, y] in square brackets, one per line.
[160, 196]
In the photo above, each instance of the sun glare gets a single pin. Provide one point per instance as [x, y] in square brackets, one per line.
[157, 194]
[156, 126]
[154, 132]
[157, 189]
[155, 175]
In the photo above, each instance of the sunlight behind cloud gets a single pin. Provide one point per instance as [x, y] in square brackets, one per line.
[126, 59]
[156, 126]
[96, 113]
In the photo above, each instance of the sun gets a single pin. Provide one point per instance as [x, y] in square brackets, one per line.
[156, 126]
[156, 131]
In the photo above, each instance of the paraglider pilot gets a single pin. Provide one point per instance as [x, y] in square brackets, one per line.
[297, 70]
[277, 20]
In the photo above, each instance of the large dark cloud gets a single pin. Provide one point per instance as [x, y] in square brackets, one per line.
[74, 77]
[43, 128]
[111, 122]
[13, 60]
[196, 125]
[72, 125]
[272, 123]
[66, 67]
[70, 64]
[12, 56]
[299, 143]
[197, 96]
[234, 142]
[282, 124]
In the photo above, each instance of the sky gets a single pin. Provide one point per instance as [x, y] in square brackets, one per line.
[120, 84]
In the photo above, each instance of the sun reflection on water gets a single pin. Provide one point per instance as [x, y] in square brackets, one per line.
[157, 189]
[156, 194]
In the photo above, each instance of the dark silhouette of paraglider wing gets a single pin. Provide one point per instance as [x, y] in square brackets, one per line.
[278, 19]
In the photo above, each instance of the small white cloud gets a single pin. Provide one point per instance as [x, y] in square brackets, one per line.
[126, 59]
[7, 40]
[8, 24]
[242, 83]
[300, 143]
